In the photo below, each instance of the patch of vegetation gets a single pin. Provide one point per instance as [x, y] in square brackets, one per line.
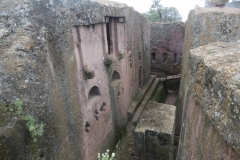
[34, 128]
[106, 156]
[159, 13]
[18, 104]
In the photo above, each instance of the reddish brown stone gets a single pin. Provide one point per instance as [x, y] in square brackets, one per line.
[166, 48]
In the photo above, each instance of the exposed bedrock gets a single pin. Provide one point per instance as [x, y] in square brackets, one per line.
[62, 59]
[204, 26]
[211, 117]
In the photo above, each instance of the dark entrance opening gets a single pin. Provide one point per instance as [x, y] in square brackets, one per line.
[140, 77]
[175, 58]
[94, 92]
[108, 37]
[115, 76]
[153, 56]
[165, 56]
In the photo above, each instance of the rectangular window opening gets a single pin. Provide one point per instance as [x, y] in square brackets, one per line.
[108, 38]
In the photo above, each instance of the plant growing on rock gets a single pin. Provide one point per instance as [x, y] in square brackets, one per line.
[105, 156]
[34, 128]
[18, 105]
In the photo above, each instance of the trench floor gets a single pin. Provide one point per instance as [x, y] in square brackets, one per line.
[125, 148]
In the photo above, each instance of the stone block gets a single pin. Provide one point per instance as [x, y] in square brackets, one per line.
[204, 26]
[120, 55]
[138, 99]
[154, 134]
[211, 121]
[108, 61]
[89, 74]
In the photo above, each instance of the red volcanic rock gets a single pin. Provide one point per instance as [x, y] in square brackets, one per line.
[166, 48]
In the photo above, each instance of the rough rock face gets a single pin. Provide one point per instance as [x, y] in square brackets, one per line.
[166, 48]
[213, 3]
[204, 26]
[13, 137]
[211, 114]
[52, 55]
[154, 133]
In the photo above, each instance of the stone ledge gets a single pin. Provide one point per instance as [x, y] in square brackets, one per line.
[138, 99]
[215, 83]
[154, 134]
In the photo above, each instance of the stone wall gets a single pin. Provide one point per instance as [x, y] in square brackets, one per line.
[210, 128]
[76, 65]
[166, 48]
[204, 26]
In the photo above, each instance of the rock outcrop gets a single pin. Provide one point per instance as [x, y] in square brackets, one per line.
[211, 116]
[44, 47]
[204, 26]
[13, 137]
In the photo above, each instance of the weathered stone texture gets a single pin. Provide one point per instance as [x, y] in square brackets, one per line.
[211, 114]
[154, 134]
[13, 137]
[204, 26]
[213, 3]
[42, 54]
[166, 38]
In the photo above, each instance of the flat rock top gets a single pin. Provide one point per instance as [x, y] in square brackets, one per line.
[223, 58]
[215, 78]
[157, 117]
[216, 2]
[214, 10]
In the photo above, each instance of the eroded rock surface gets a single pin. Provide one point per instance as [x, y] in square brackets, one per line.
[13, 137]
[204, 26]
[211, 116]
[154, 134]
[45, 44]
